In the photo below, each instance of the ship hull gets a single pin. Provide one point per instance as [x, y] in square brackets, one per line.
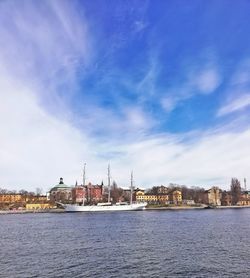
[76, 208]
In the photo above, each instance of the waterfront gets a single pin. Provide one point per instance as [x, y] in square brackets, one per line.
[200, 243]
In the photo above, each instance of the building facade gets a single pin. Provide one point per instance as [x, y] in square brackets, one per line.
[172, 197]
[94, 193]
[61, 193]
[212, 196]
[78, 194]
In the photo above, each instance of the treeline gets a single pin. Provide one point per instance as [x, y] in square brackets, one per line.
[37, 192]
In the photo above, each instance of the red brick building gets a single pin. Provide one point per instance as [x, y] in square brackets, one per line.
[94, 193]
[78, 194]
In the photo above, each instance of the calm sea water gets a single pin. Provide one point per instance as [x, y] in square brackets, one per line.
[201, 243]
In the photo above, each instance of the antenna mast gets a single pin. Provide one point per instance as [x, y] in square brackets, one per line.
[245, 183]
[108, 183]
[131, 189]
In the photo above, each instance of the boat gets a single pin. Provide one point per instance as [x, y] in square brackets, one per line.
[108, 206]
[104, 207]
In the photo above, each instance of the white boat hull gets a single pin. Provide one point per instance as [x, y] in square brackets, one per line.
[132, 207]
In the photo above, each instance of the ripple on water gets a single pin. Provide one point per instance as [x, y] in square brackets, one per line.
[204, 243]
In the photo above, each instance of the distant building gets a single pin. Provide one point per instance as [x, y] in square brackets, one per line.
[144, 197]
[10, 198]
[61, 193]
[212, 196]
[188, 202]
[162, 190]
[244, 199]
[94, 193]
[78, 194]
[163, 196]
[175, 197]
[34, 206]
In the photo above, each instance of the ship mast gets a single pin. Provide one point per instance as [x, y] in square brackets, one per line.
[108, 183]
[84, 175]
[131, 189]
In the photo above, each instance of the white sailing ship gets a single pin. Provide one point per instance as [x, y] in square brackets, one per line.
[102, 207]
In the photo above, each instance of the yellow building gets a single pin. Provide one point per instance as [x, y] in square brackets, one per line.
[212, 196]
[10, 198]
[150, 198]
[140, 196]
[175, 197]
[38, 206]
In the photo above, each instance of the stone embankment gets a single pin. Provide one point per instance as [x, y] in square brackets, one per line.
[2, 212]
[175, 207]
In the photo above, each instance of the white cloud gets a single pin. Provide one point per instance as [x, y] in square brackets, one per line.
[238, 104]
[168, 103]
[207, 81]
[212, 159]
[37, 147]
[203, 81]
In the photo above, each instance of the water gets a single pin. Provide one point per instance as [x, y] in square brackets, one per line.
[200, 243]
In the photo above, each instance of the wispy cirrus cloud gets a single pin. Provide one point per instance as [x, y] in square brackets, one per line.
[237, 90]
[45, 53]
[238, 104]
[202, 81]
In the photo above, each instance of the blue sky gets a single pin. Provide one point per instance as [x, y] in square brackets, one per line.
[161, 87]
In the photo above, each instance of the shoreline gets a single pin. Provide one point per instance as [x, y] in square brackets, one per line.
[193, 208]
[174, 208]
[4, 212]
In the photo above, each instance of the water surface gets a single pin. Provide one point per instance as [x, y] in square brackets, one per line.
[200, 243]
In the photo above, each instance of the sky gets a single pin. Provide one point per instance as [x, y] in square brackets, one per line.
[158, 87]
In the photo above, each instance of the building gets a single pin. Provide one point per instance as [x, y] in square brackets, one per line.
[10, 198]
[35, 206]
[244, 199]
[188, 202]
[61, 193]
[142, 197]
[94, 193]
[175, 197]
[78, 194]
[163, 190]
[212, 196]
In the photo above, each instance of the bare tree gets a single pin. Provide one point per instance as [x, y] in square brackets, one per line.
[39, 191]
[235, 191]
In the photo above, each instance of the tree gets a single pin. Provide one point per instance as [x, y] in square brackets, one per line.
[23, 192]
[116, 192]
[235, 191]
[39, 191]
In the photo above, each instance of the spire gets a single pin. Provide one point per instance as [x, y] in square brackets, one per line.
[108, 183]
